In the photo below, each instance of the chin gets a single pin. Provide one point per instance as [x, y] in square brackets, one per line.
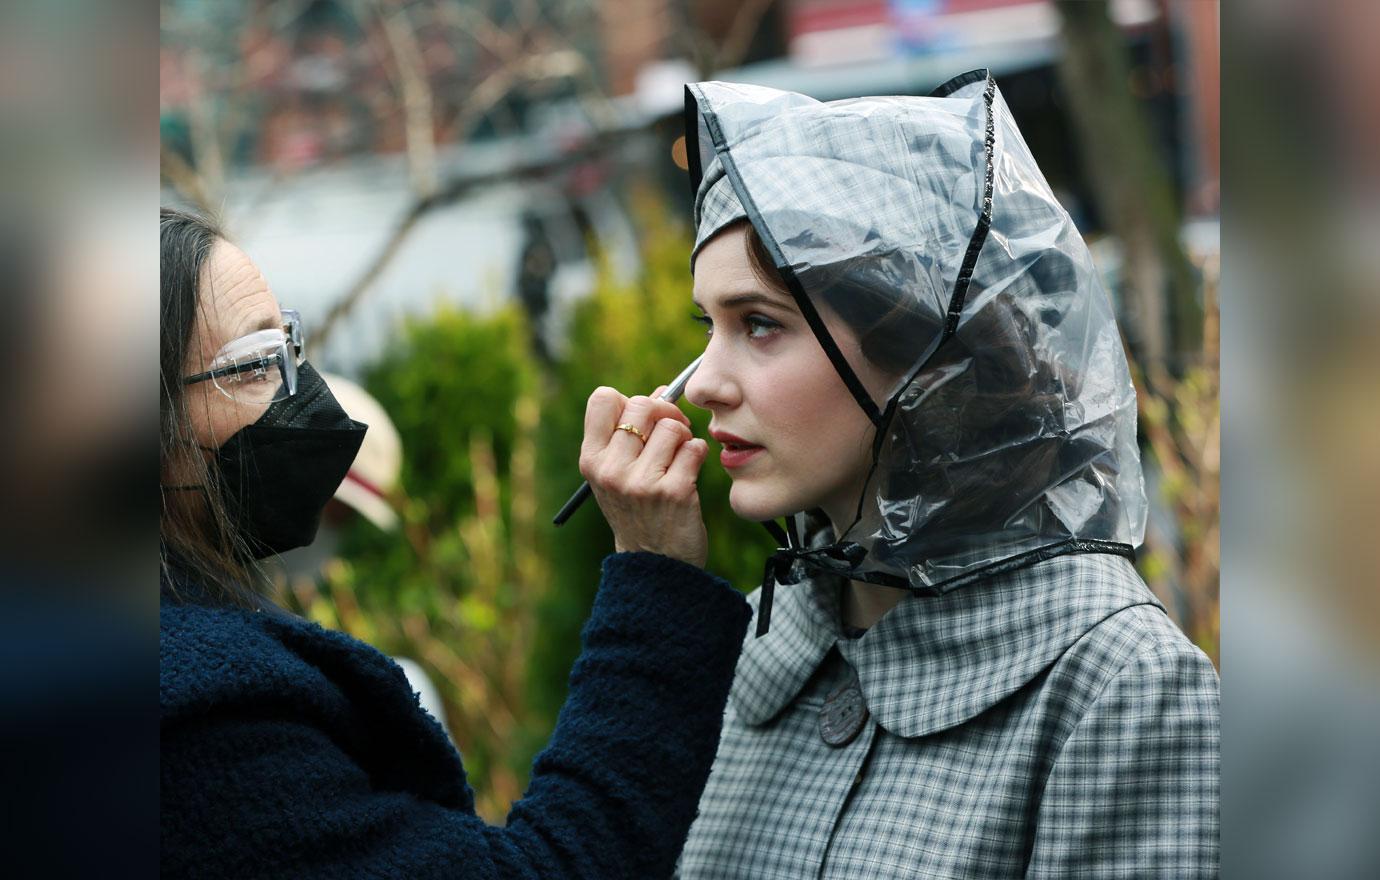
[755, 505]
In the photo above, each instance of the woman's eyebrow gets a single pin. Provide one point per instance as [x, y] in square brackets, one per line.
[742, 299]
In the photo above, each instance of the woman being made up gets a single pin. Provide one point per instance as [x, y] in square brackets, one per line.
[955, 669]
[290, 751]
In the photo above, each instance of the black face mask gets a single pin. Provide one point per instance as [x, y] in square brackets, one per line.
[278, 473]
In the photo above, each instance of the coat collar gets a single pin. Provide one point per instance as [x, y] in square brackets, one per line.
[936, 661]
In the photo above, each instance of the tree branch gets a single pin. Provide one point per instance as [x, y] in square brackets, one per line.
[418, 125]
[1133, 188]
[740, 33]
[448, 193]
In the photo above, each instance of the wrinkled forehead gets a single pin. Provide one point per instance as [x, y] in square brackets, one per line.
[235, 300]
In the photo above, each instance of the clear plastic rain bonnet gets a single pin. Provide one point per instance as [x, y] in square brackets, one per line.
[924, 225]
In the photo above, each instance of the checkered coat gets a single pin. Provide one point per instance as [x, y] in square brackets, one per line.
[1045, 722]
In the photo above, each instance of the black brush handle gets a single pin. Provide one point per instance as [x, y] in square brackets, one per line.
[672, 394]
[572, 505]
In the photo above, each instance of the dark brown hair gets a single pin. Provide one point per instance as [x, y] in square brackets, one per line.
[196, 548]
[880, 319]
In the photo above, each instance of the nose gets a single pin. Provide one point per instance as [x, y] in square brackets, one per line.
[713, 387]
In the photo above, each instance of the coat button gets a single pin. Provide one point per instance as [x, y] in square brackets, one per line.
[844, 713]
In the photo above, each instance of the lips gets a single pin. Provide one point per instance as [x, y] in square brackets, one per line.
[737, 451]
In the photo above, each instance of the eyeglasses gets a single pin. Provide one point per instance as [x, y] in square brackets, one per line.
[258, 368]
[292, 326]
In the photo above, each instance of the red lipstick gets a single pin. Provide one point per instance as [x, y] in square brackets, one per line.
[737, 451]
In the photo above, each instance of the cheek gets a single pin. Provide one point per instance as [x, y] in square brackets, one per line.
[787, 404]
[214, 417]
[810, 417]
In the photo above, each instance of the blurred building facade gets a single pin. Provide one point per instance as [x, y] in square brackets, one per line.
[313, 83]
[298, 121]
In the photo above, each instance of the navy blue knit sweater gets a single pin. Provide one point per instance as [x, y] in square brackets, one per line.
[292, 751]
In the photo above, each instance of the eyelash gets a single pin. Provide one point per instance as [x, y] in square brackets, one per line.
[752, 321]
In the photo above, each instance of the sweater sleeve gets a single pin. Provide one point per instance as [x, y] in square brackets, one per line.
[269, 793]
[1134, 791]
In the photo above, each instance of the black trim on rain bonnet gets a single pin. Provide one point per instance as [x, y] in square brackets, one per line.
[1023, 270]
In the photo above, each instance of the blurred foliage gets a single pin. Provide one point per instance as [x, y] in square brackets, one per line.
[1181, 423]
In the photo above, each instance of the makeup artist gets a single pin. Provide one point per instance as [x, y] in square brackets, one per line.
[288, 750]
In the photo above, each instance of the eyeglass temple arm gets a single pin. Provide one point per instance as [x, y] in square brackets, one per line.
[230, 370]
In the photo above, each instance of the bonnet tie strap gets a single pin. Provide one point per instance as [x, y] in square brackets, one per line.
[780, 569]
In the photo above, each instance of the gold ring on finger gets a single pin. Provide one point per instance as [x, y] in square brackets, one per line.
[634, 430]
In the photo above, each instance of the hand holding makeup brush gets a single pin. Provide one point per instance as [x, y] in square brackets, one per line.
[642, 463]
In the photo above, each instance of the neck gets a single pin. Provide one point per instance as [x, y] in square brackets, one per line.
[864, 604]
